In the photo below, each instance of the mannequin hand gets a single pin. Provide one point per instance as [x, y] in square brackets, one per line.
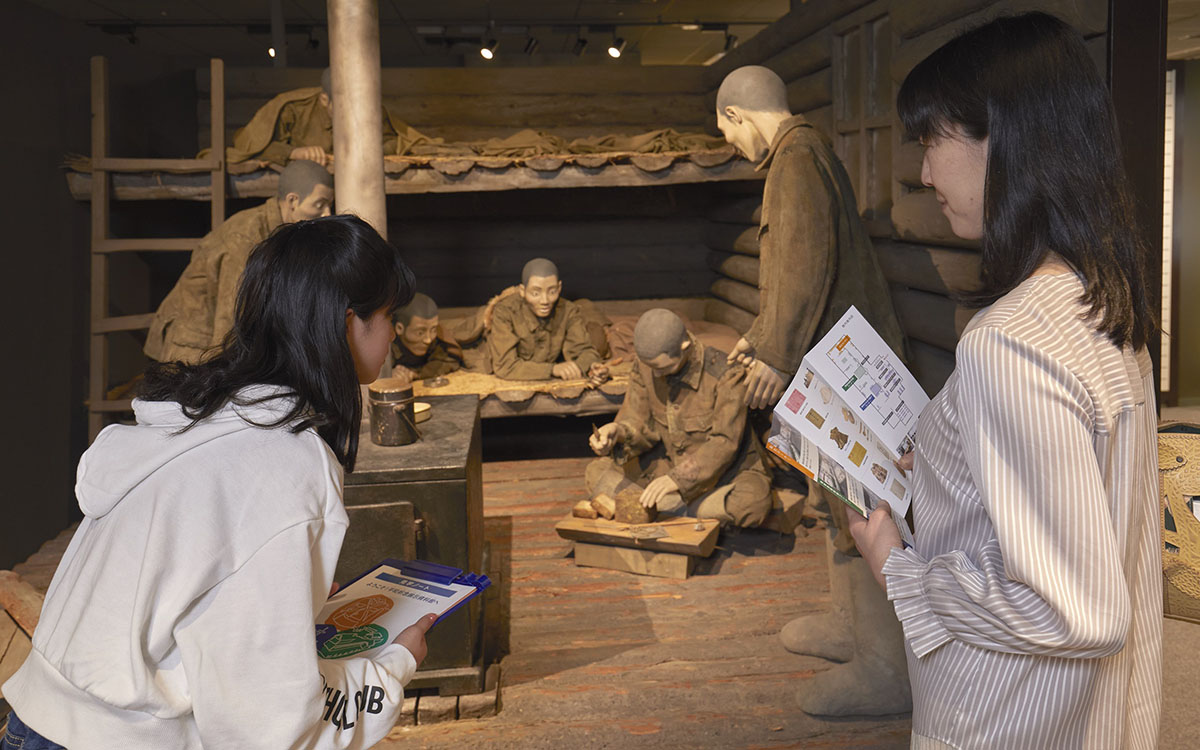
[413, 637]
[764, 385]
[597, 374]
[742, 352]
[566, 371]
[875, 537]
[310, 153]
[604, 439]
[656, 490]
[402, 372]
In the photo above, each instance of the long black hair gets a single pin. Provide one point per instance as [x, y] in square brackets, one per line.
[290, 329]
[1055, 181]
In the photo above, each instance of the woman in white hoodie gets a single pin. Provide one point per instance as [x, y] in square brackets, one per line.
[182, 613]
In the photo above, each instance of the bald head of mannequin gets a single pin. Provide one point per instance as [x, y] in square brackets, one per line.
[416, 324]
[326, 95]
[751, 103]
[661, 341]
[540, 286]
[305, 191]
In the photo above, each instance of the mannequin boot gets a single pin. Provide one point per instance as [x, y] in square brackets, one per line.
[875, 680]
[826, 635]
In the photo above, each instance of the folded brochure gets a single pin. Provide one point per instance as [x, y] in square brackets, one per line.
[847, 416]
[369, 612]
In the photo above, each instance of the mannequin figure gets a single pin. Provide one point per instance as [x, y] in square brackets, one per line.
[684, 446]
[535, 327]
[421, 349]
[196, 315]
[816, 260]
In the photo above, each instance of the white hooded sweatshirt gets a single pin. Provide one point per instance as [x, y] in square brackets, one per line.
[182, 613]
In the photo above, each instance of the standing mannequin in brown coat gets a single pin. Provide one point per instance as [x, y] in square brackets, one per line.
[815, 261]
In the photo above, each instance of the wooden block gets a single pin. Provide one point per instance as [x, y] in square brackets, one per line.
[604, 506]
[787, 507]
[584, 509]
[641, 561]
[479, 705]
[682, 536]
[433, 709]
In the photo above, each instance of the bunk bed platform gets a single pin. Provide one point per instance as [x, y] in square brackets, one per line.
[406, 175]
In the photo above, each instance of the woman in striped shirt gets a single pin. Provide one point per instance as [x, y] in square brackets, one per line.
[1031, 604]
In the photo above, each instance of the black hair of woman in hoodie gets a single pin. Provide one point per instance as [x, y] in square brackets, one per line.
[290, 329]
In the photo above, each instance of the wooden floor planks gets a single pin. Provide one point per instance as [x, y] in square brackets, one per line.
[600, 658]
[604, 659]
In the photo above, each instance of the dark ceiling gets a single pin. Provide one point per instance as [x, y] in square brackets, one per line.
[446, 32]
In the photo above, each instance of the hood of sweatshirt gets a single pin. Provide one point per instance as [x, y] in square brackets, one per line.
[123, 456]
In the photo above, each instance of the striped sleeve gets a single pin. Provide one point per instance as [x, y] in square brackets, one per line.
[1050, 582]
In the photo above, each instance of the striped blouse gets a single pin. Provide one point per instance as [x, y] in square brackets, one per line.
[1032, 602]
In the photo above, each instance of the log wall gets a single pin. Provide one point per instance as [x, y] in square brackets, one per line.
[843, 61]
[475, 103]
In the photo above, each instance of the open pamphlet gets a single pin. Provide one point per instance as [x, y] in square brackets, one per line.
[851, 412]
[369, 612]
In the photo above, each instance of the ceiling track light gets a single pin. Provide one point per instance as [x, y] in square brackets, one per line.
[616, 48]
[730, 41]
[488, 51]
[580, 46]
[531, 45]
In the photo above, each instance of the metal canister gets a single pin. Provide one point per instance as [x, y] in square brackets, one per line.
[393, 421]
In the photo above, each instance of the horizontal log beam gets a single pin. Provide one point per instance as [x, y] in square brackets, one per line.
[806, 56]
[123, 323]
[931, 318]
[804, 20]
[733, 238]
[737, 294]
[906, 164]
[720, 311]
[146, 245]
[744, 211]
[811, 91]
[918, 217]
[930, 365]
[743, 268]
[941, 270]
[178, 166]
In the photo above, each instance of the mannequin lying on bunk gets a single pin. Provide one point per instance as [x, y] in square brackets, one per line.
[298, 124]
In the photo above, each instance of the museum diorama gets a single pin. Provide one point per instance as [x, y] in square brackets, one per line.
[620, 266]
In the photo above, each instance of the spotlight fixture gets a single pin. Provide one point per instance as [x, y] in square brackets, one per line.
[580, 46]
[616, 48]
[488, 51]
[270, 52]
[730, 41]
[690, 26]
[531, 45]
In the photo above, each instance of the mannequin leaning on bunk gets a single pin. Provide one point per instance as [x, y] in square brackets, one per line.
[182, 613]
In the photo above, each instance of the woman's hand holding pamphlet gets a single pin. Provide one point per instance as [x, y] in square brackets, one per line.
[848, 415]
[370, 611]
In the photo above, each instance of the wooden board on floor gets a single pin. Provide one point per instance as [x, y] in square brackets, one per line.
[641, 561]
[682, 535]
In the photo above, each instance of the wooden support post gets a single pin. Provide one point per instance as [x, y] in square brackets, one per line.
[98, 361]
[357, 110]
[217, 118]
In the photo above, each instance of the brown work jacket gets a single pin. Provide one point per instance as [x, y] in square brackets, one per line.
[198, 311]
[525, 347]
[815, 256]
[698, 415]
[290, 120]
[441, 358]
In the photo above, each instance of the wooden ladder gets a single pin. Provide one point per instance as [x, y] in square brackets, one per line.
[103, 323]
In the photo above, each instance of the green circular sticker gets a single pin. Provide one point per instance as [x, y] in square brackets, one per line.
[354, 641]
